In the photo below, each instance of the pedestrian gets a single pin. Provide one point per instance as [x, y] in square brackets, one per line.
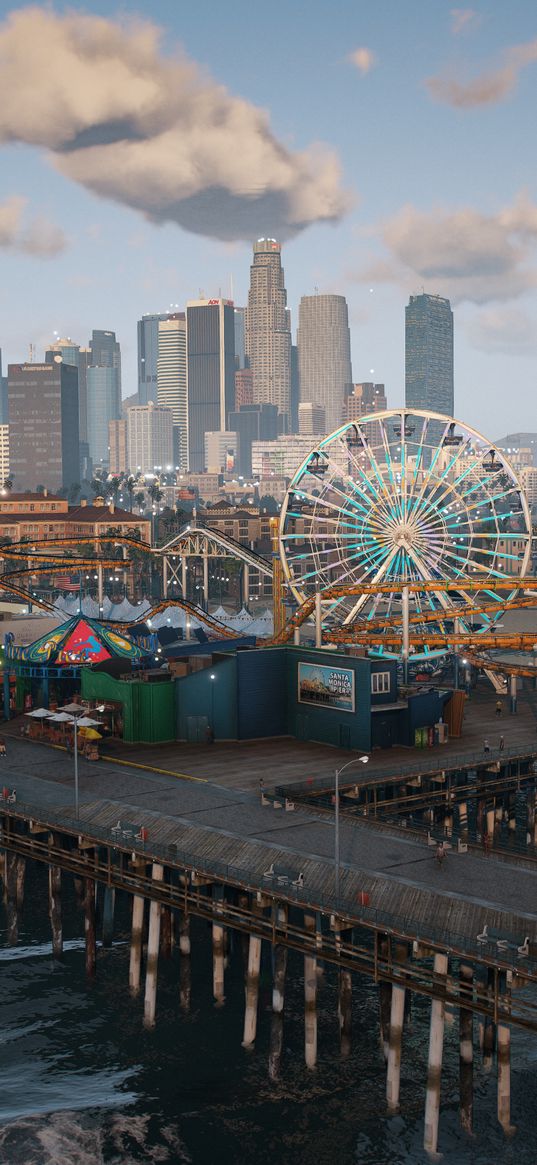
[498, 707]
[486, 746]
[501, 744]
[440, 853]
[486, 842]
[209, 734]
[2, 746]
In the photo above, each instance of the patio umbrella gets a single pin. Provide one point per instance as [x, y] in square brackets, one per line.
[61, 718]
[39, 713]
[87, 722]
[91, 734]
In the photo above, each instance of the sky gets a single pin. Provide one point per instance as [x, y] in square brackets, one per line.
[391, 147]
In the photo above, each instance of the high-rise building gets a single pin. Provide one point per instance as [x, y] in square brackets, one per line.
[324, 354]
[150, 438]
[104, 405]
[311, 420]
[105, 352]
[72, 353]
[117, 444]
[429, 354]
[268, 329]
[364, 399]
[172, 381]
[244, 387]
[221, 452]
[148, 357]
[4, 452]
[240, 337]
[3, 395]
[253, 423]
[211, 372]
[281, 457]
[43, 425]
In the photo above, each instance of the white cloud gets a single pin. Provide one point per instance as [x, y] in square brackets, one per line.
[463, 19]
[154, 132]
[487, 88]
[463, 254]
[39, 237]
[364, 59]
[503, 330]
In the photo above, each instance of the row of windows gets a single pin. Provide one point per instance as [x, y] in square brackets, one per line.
[380, 682]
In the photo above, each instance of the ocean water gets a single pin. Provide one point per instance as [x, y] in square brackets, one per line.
[82, 1082]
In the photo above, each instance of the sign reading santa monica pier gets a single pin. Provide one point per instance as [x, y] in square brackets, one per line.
[329, 687]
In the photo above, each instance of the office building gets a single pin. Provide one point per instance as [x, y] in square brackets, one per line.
[244, 387]
[429, 354]
[150, 438]
[211, 372]
[71, 353]
[240, 337]
[117, 444]
[148, 357]
[43, 425]
[221, 452]
[172, 381]
[324, 354]
[104, 405]
[252, 423]
[281, 457]
[364, 399]
[105, 352]
[4, 452]
[311, 420]
[268, 330]
[3, 395]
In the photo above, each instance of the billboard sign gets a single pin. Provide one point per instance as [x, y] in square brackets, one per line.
[325, 686]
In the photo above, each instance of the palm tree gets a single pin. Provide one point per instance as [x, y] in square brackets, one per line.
[130, 486]
[7, 484]
[96, 486]
[139, 498]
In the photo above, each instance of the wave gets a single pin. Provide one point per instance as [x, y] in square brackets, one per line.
[119, 1138]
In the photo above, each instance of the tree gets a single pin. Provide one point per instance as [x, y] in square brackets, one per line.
[7, 484]
[155, 492]
[140, 499]
[268, 504]
[130, 486]
[96, 487]
[40, 489]
[74, 492]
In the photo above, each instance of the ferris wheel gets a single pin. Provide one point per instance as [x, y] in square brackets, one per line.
[405, 496]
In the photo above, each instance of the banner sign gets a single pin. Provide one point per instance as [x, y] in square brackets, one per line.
[329, 687]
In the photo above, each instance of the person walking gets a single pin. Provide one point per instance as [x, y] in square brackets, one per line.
[501, 745]
[486, 746]
[498, 707]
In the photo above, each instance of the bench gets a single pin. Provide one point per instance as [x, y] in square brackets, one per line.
[129, 832]
[283, 876]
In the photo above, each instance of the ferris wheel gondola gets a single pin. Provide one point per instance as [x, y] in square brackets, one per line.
[404, 496]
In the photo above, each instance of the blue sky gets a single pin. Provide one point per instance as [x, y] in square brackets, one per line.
[432, 127]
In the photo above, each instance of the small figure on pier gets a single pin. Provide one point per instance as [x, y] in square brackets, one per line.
[12, 797]
[486, 843]
[209, 734]
[440, 853]
[501, 745]
[2, 746]
[486, 745]
[498, 707]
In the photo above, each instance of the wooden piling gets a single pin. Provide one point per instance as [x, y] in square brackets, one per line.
[252, 991]
[135, 964]
[184, 962]
[397, 1015]
[55, 909]
[150, 999]
[218, 964]
[504, 1078]
[166, 932]
[310, 1000]
[345, 1012]
[489, 1028]
[466, 1051]
[109, 902]
[434, 1069]
[278, 999]
[89, 927]
[11, 898]
[19, 882]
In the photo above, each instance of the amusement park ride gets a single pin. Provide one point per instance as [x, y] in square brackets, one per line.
[406, 533]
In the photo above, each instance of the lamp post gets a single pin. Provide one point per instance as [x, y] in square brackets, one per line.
[354, 760]
[212, 678]
[75, 710]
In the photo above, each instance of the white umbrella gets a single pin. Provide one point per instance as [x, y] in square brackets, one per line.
[87, 722]
[39, 713]
[61, 718]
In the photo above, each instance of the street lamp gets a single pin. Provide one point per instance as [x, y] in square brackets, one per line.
[212, 677]
[354, 760]
[75, 710]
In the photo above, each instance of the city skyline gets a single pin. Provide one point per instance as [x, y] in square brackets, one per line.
[445, 206]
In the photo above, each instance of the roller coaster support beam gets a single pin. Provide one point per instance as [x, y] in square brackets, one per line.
[405, 608]
[205, 580]
[512, 694]
[246, 584]
[184, 576]
[318, 620]
[100, 588]
[164, 577]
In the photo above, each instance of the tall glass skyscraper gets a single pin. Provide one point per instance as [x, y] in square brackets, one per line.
[172, 381]
[268, 330]
[148, 357]
[71, 353]
[429, 354]
[104, 405]
[211, 372]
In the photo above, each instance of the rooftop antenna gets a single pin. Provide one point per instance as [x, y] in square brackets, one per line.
[316, 290]
[31, 353]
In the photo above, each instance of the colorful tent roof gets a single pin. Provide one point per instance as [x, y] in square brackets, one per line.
[79, 640]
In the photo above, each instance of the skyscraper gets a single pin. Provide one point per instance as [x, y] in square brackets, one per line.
[172, 381]
[211, 372]
[105, 352]
[150, 438]
[253, 423]
[72, 353]
[3, 395]
[429, 354]
[324, 354]
[43, 425]
[148, 357]
[240, 337]
[104, 405]
[268, 329]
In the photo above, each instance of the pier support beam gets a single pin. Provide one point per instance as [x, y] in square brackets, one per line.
[55, 909]
[150, 999]
[397, 1016]
[345, 1012]
[10, 891]
[310, 1000]
[252, 991]
[218, 955]
[19, 882]
[89, 927]
[135, 964]
[504, 1078]
[184, 962]
[434, 1070]
[466, 1051]
[278, 999]
[166, 932]
[109, 903]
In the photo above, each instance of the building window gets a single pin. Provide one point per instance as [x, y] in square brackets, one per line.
[380, 682]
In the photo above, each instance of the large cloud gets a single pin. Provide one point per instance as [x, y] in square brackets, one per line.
[489, 87]
[465, 255]
[40, 237]
[153, 132]
[501, 329]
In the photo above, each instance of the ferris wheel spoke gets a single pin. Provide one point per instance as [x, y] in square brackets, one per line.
[384, 498]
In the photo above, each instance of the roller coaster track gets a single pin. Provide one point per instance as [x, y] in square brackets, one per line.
[33, 549]
[486, 641]
[433, 616]
[54, 565]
